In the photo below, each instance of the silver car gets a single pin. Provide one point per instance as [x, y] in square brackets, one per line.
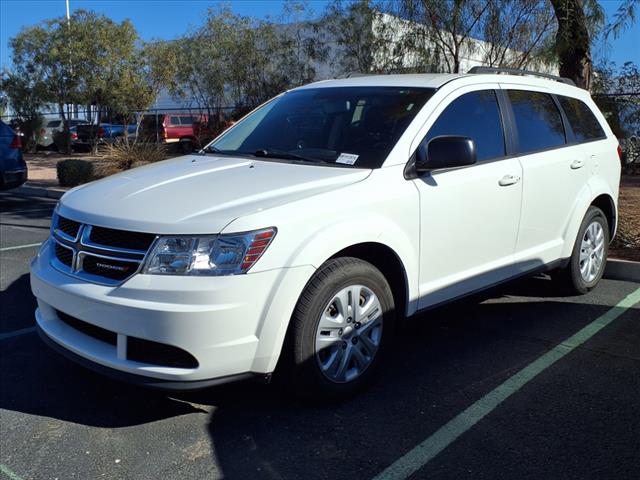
[47, 132]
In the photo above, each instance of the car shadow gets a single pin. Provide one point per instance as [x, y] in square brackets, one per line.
[17, 305]
[443, 361]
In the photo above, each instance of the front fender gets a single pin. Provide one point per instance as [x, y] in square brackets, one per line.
[316, 248]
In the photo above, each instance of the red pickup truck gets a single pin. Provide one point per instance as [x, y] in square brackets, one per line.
[189, 131]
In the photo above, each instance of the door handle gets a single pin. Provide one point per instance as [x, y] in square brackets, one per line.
[508, 180]
[576, 164]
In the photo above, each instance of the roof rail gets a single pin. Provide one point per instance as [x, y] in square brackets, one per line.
[516, 71]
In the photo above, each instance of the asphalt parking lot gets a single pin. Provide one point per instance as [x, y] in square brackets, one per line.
[440, 410]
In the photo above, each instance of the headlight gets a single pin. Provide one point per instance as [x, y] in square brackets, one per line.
[208, 255]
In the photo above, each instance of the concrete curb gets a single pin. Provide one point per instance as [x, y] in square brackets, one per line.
[32, 191]
[622, 270]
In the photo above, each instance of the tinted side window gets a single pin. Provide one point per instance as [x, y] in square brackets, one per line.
[538, 121]
[186, 120]
[174, 120]
[583, 122]
[475, 115]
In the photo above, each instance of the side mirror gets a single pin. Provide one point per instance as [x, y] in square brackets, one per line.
[447, 151]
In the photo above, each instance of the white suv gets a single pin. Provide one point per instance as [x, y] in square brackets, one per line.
[301, 235]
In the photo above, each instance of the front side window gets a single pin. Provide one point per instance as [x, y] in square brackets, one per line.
[583, 122]
[538, 121]
[187, 120]
[346, 126]
[54, 123]
[475, 115]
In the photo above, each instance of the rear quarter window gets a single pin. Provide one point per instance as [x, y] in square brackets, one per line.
[538, 121]
[583, 122]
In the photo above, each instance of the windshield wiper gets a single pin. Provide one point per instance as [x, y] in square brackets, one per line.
[275, 153]
[212, 149]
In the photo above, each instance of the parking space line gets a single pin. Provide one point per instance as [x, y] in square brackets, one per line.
[18, 247]
[17, 333]
[7, 471]
[424, 452]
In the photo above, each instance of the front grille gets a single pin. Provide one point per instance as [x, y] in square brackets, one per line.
[88, 329]
[121, 238]
[98, 254]
[68, 227]
[64, 255]
[146, 351]
[109, 268]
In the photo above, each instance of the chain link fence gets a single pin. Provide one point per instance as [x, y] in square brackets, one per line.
[188, 128]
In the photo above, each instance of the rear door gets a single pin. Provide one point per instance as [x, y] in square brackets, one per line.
[554, 173]
[468, 216]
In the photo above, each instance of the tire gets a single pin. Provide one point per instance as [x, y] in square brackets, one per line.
[315, 376]
[186, 147]
[573, 277]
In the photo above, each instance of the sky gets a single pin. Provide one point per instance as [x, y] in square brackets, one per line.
[168, 19]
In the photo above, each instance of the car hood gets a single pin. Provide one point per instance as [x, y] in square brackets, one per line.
[198, 194]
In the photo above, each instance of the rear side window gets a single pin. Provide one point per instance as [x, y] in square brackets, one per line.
[475, 115]
[174, 120]
[583, 122]
[538, 121]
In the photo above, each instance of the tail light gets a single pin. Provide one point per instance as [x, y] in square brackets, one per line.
[16, 142]
[74, 136]
[164, 133]
[620, 153]
[43, 131]
[101, 132]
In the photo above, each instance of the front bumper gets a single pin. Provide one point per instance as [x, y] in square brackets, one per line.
[232, 326]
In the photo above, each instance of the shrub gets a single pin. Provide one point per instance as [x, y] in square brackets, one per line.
[125, 155]
[74, 172]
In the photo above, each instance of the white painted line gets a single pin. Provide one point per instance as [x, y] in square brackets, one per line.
[19, 247]
[423, 453]
[17, 333]
[9, 473]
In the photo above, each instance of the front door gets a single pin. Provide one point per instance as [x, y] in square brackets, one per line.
[469, 216]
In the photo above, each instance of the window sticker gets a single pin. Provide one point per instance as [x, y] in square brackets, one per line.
[347, 158]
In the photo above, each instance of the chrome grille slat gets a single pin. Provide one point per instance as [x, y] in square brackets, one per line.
[96, 262]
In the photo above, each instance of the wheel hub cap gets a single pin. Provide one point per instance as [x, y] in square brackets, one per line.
[592, 252]
[349, 333]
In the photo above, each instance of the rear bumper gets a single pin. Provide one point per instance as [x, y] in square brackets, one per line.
[13, 178]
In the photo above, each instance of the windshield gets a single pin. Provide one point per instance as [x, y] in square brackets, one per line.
[345, 126]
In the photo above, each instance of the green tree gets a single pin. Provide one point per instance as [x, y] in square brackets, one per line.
[617, 93]
[89, 60]
[239, 61]
[25, 98]
[364, 41]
